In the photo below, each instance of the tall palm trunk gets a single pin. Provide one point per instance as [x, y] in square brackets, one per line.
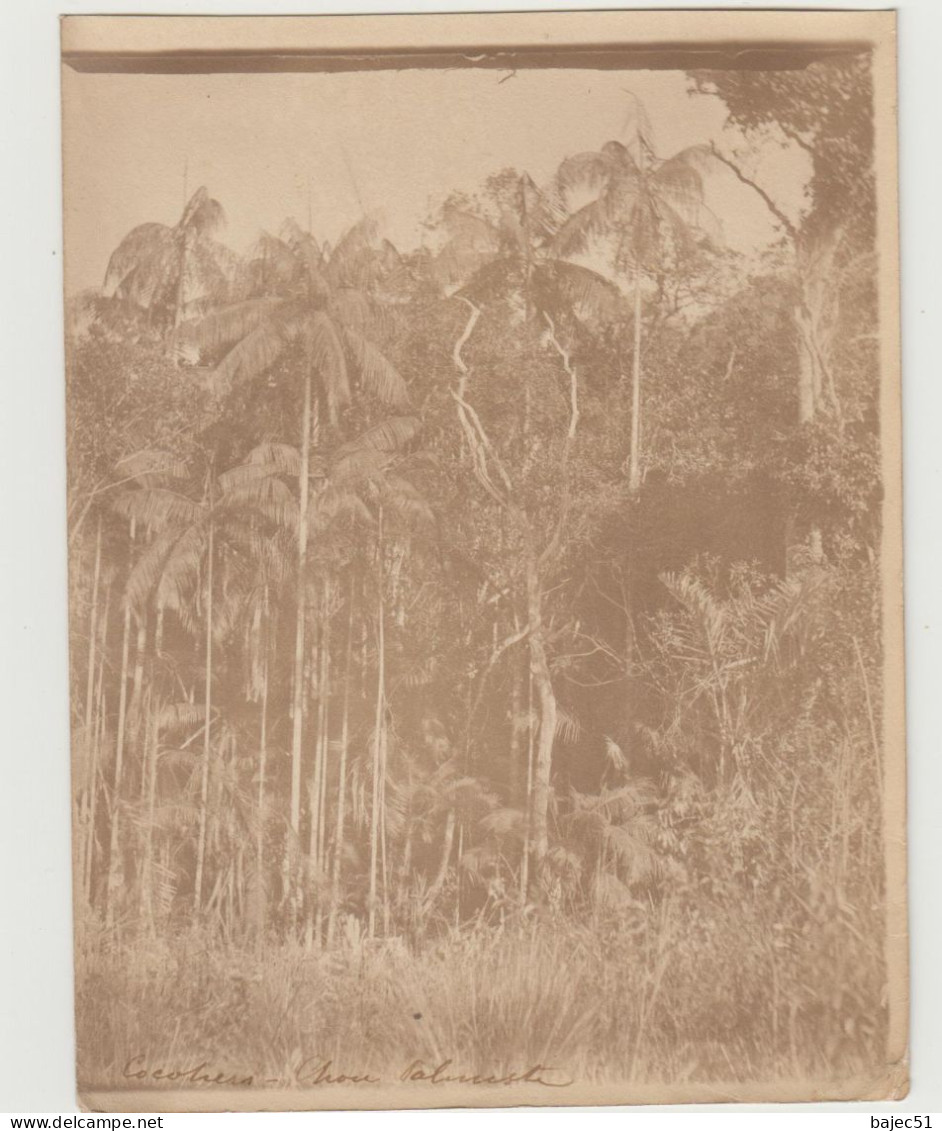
[90, 749]
[97, 743]
[809, 398]
[135, 713]
[151, 741]
[528, 807]
[207, 725]
[298, 698]
[542, 682]
[517, 723]
[378, 740]
[309, 884]
[261, 912]
[342, 779]
[323, 747]
[114, 845]
[634, 464]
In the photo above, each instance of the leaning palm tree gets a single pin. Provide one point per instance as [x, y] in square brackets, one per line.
[644, 205]
[170, 274]
[296, 295]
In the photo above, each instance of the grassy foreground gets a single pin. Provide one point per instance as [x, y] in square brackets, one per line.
[676, 995]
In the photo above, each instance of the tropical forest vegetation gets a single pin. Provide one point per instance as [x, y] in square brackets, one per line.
[476, 647]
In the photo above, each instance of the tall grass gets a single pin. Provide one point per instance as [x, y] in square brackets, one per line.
[682, 993]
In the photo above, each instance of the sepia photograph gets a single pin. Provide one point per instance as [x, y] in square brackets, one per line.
[485, 559]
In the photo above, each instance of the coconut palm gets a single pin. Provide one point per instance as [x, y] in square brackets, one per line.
[644, 205]
[513, 255]
[170, 274]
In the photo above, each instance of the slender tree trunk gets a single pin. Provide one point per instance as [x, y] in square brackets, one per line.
[135, 712]
[342, 779]
[377, 790]
[159, 631]
[322, 668]
[634, 465]
[448, 843]
[151, 741]
[543, 763]
[97, 741]
[528, 809]
[298, 699]
[323, 749]
[383, 839]
[261, 910]
[114, 846]
[179, 305]
[517, 724]
[207, 726]
[458, 877]
[88, 743]
[313, 788]
[809, 398]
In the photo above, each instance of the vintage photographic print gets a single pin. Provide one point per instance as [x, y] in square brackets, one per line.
[485, 559]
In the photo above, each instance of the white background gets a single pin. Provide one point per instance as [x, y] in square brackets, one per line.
[36, 1043]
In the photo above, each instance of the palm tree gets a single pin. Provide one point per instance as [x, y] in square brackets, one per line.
[170, 274]
[644, 205]
[514, 253]
[294, 293]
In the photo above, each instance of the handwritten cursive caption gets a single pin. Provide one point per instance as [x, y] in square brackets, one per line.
[314, 1071]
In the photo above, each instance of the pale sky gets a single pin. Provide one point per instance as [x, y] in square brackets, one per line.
[397, 142]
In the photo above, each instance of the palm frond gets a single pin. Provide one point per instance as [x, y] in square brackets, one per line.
[405, 499]
[324, 347]
[339, 499]
[144, 244]
[357, 465]
[377, 373]
[679, 177]
[180, 573]
[250, 357]
[148, 568]
[170, 716]
[388, 435]
[584, 225]
[632, 845]
[266, 495]
[584, 170]
[359, 311]
[148, 466]
[501, 822]
[157, 507]
[203, 214]
[230, 324]
[285, 457]
[568, 727]
[587, 293]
